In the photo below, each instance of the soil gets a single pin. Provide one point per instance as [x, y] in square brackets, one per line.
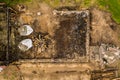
[51, 71]
[103, 28]
[7, 74]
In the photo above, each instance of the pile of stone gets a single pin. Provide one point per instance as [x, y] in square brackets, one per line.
[109, 53]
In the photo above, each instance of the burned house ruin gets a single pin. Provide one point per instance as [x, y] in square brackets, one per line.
[71, 39]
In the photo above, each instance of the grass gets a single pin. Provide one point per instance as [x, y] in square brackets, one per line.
[57, 3]
[13, 2]
[113, 6]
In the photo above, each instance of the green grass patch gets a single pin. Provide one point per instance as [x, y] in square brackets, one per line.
[57, 3]
[86, 3]
[14, 2]
[113, 6]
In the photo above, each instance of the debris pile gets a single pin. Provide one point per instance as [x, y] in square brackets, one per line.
[106, 54]
[109, 53]
[25, 30]
[25, 44]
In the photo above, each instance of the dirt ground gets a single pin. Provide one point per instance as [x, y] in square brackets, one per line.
[103, 28]
[48, 71]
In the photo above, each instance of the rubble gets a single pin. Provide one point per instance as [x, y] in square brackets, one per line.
[25, 44]
[38, 13]
[21, 8]
[25, 30]
[109, 53]
[2, 68]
